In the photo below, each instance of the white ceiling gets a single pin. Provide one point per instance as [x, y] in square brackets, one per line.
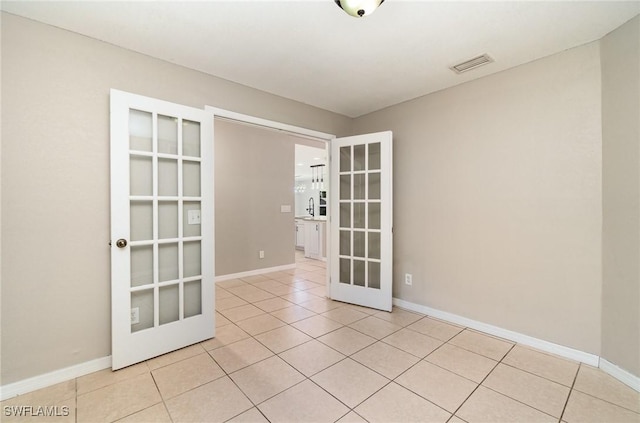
[306, 157]
[312, 52]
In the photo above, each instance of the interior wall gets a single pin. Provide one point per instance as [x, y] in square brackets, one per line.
[621, 196]
[55, 181]
[497, 198]
[254, 176]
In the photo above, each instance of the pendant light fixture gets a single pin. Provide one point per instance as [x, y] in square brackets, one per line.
[317, 176]
[359, 8]
[315, 170]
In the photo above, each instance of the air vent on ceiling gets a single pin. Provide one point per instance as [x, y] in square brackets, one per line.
[472, 63]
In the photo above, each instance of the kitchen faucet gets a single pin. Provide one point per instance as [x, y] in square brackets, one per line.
[312, 207]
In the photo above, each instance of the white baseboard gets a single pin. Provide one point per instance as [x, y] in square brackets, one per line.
[622, 375]
[62, 375]
[57, 376]
[255, 272]
[530, 341]
[48, 379]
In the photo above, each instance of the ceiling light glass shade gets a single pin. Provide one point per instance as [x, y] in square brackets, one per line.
[359, 8]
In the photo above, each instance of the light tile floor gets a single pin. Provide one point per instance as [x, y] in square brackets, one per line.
[284, 353]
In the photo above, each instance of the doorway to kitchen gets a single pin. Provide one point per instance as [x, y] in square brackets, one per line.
[311, 199]
[263, 170]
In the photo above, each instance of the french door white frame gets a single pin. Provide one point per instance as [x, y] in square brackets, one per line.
[295, 130]
[129, 347]
[358, 179]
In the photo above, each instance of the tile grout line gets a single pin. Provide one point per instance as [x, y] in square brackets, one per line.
[510, 397]
[482, 381]
[288, 364]
[434, 364]
[316, 338]
[306, 378]
[534, 374]
[390, 380]
[573, 384]
[572, 388]
[351, 409]
[228, 375]
[75, 385]
[445, 342]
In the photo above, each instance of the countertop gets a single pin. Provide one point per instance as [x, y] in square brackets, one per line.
[312, 219]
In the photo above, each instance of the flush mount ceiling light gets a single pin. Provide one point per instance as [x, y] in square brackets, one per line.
[359, 8]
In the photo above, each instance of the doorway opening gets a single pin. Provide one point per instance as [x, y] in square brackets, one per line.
[311, 199]
[285, 208]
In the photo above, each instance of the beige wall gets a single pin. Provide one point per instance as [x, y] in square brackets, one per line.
[497, 198]
[254, 176]
[55, 181]
[621, 196]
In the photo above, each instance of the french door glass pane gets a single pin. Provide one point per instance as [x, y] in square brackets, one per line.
[345, 243]
[141, 175]
[140, 131]
[167, 135]
[345, 271]
[190, 138]
[374, 156]
[374, 275]
[191, 179]
[168, 304]
[358, 243]
[359, 215]
[167, 177]
[192, 298]
[374, 186]
[345, 215]
[345, 187]
[143, 301]
[359, 157]
[141, 220]
[141, 265]
[374, 245]
[374, 215]
[358, 272]
[345, 159]
[190, 229]
[168, 262]
[359, 186]
[191, 260]
[167, 219]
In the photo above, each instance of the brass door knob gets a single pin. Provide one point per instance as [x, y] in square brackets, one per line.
[121, 243]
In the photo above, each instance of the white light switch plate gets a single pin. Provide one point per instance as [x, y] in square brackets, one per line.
[285, 209]
[193, 217]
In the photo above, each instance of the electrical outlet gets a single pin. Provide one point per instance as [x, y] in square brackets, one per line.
[408, 279]
[135, 315]
[261, 254]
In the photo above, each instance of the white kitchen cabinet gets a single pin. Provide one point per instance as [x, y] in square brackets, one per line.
[300, 229]
[314, 235]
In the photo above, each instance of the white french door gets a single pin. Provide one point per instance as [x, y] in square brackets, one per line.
[361, 220]
[162, 234]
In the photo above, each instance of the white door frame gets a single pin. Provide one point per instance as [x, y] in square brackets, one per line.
[375, 289]
[295, 130]
[129, 347]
